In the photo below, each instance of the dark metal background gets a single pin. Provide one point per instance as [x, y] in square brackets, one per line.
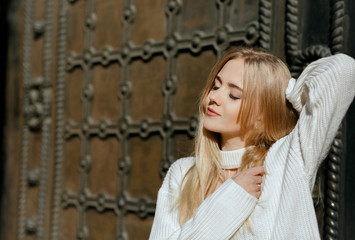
[101, 100]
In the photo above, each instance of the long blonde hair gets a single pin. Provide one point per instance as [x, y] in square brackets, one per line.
[265, 116]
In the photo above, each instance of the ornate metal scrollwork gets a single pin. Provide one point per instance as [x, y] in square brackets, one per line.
[257, 31]
[307, 56]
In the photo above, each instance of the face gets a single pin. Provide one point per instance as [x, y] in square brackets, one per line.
[224, 100]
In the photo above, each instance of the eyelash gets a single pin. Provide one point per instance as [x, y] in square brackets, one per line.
[232, 97]
[214, 88]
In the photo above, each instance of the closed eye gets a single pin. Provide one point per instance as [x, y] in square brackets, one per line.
[233, 97]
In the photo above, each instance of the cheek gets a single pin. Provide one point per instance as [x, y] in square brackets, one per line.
[233, 113]
[206, 100]
[205, 103]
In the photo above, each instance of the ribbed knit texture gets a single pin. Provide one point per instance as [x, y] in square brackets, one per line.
[285, 209]
[232, 159]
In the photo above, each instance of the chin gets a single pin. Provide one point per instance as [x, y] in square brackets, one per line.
[211, 128]
[209, 125]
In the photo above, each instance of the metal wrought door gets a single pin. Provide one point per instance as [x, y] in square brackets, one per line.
[102, 99]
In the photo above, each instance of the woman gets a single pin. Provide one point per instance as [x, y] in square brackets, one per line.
[260, 140]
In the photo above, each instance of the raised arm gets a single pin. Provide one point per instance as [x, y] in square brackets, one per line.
[218, 217]
[322, 95]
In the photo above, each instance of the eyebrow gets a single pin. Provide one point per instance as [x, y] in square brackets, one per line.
[229, 84]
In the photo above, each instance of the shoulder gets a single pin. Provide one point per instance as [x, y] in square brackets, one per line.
[176, 172]
[182, 165]
[179, 168]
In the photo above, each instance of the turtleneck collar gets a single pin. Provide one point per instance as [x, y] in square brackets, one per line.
[232, 159]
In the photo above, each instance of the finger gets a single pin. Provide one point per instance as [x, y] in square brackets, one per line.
[257, 194]
[255, 187]
[257, 170]
[258, 179]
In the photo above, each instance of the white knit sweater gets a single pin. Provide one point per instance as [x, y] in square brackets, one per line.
[285, 209]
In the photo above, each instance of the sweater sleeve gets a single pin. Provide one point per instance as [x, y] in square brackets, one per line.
[322, 95]
[218, 217]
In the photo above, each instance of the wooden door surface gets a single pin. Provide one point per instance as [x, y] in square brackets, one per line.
[102, 99]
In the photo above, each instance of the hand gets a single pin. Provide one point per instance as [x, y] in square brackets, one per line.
[251, 179]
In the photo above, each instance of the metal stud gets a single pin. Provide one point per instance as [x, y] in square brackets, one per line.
[173, 7]
[147, 49]
[105, 56]
[142, 208]
[129, 13]
[71, 61]
[31, 225]
[38, 28]
[88, 92]
[85, 163]
[144, 128]
[91, 20]
[33, 177]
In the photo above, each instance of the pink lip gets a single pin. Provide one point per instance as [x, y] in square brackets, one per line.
[210, 112]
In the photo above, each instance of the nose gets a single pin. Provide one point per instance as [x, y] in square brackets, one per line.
[214, 97]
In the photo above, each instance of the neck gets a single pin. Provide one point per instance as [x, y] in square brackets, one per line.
[232, 143]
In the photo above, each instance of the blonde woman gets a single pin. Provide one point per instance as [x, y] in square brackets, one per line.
[261, 138]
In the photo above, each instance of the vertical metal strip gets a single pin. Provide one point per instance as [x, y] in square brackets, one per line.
[292, 43]
[46, 124]
[42, 203]
[337, 27]
[332, 204]
[168, 141]
[23, 185]
[48, 37]
[124, 93]
[86, 98]
[265, 22]
[25, 132]
[60, 100]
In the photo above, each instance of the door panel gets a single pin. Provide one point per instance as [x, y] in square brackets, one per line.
[102, 97]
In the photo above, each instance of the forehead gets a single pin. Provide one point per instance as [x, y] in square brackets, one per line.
[232, 72]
